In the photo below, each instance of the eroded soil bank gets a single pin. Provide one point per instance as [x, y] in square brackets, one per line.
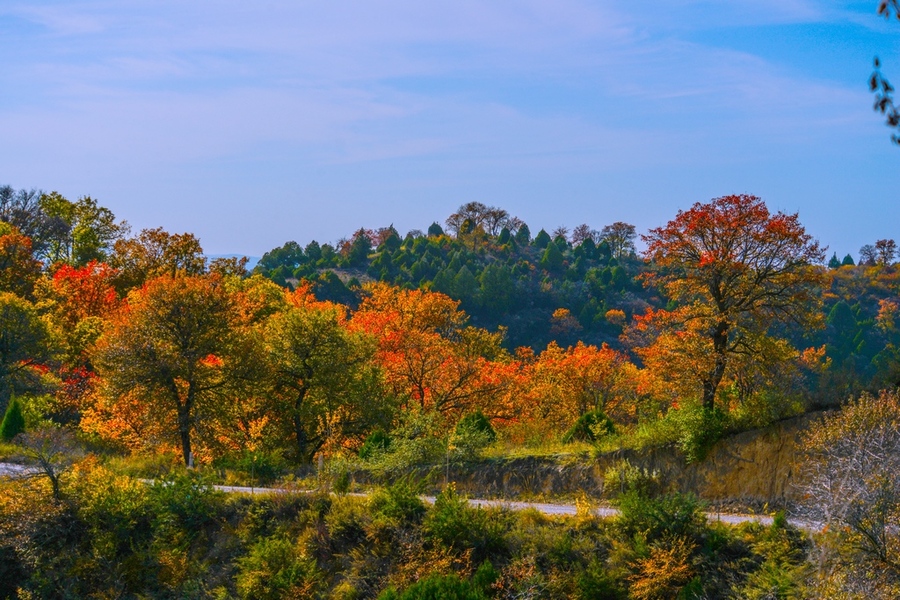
[752, 469]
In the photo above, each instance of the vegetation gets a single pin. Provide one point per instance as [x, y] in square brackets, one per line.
[409, 354]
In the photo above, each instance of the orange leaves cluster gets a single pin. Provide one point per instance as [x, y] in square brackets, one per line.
[563, 384]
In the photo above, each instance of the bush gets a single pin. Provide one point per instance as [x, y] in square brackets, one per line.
[448, 587]
[473, 433]
[623, 477]
[590, 427]
[453, 524]
[399, 502]
[13, 421]
[275, 568]
[377, 442]
[699, 429]
[672, 515]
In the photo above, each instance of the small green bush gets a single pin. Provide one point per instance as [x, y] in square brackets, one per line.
[472, 435]
[590, 427]
[399, 502]
[275, 568]
[377, 442]
[672, 515]
[700, 428]
[623, 477]
[13, 421]
[448, 587]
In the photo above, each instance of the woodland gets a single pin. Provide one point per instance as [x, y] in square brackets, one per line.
[135, 373]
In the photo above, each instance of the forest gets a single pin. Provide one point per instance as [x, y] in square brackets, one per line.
[135, 373]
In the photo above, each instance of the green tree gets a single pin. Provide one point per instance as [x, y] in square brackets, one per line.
[324, 385]
[24, 345]
[92, 229]
[13, 421]
[542, 239]
[848, 261]
[834, 263]
[552, 260]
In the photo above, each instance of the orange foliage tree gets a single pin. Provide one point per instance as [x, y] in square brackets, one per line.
[563, 384]
[432, 360]
[170, 352]
[19, 269]
[737, 270]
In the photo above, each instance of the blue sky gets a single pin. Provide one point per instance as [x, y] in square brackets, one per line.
[254, 123]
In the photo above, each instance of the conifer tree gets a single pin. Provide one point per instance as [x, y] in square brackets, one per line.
[13, 421]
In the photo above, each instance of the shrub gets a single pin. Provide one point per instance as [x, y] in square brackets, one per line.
[13, 421]
[453, 524]
[473, 433]
[623, 477]
[275, 568]
[399, 502]
[589, 427]
[377, 442]
[699, 429]
[676, 515]
[448, 587]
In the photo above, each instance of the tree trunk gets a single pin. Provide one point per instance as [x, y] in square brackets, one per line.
[301, 437]
[184, 431]
[720, 348]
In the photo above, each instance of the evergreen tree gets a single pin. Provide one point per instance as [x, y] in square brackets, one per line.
[848, 261]
[13, 421]
[542, 239]
[552, 259]
[523, 235]
[834, 263]
[435, 230]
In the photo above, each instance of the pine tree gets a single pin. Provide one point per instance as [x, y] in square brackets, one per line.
[552, 259]
[834, 263]
[13, 421]
[542, 239]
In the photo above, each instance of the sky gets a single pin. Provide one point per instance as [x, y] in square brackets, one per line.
[251, 124]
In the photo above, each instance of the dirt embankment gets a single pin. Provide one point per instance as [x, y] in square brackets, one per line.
[753, 469]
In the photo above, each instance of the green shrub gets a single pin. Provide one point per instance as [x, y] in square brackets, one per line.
[448, 587]
[13, 421]
[377, 442]
[399, 502]
[673, 515]
[623, 477]
[590, 427]
[184, 500]
[453, 524]
[275, 568]
[699, 429]
[473, 433]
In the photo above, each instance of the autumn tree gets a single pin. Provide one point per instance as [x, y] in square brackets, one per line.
[885, 251]
[324, 384]
[432, 359]
[171, 350]
[19, 269]
[563, 384]
[736, 270]
[156, 252]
